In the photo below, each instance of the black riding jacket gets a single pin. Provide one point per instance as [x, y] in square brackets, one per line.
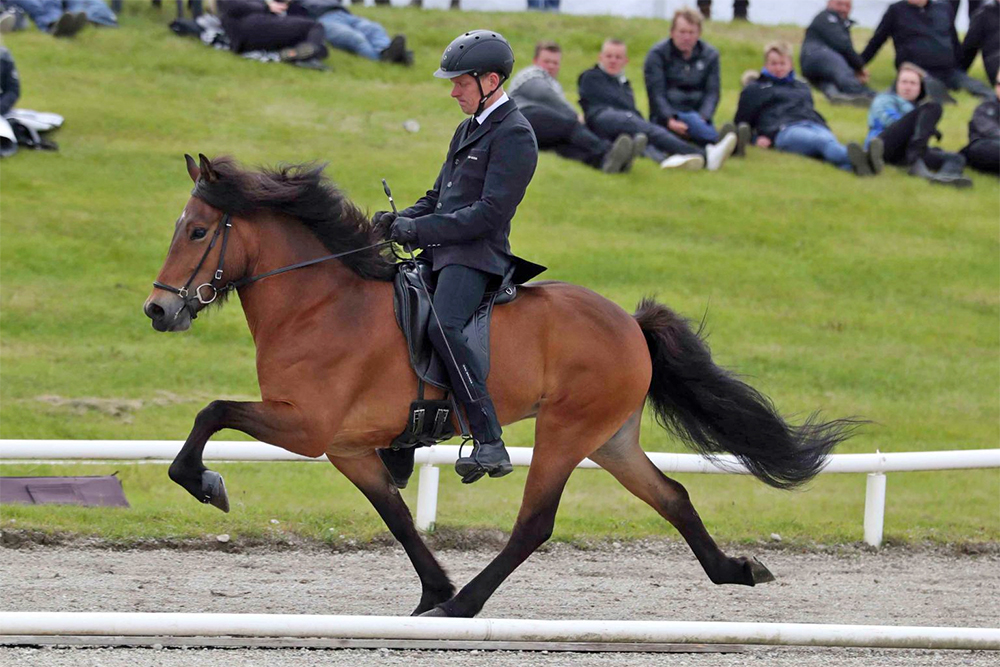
[924, 36]
[465, 218]
[674, 84]
[830, 30]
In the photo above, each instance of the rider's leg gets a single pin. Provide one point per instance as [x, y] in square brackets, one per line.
[459, 292]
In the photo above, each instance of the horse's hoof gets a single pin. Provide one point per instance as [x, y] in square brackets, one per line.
[436, 612]
[760, 574]
[213, 490]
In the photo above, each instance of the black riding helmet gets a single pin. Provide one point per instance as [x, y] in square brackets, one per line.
[477, 53]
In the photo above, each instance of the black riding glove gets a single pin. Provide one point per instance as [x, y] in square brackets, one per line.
[403, 230]
[381, 222]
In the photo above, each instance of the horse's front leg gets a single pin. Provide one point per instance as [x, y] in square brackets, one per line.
[268, 421]
[371, 477]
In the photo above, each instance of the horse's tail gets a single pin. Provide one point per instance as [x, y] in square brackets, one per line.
[715, 412]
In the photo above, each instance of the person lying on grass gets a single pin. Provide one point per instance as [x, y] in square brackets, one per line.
[779, 110]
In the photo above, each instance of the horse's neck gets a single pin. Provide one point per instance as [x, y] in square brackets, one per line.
[293, 299]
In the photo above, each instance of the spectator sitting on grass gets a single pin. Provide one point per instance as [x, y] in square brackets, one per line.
[984, 35]
[682, 81]
[779, 109]
[983, 151]
[263, 25]
[557, 125]
[905, 122]
[828, 58]
[609, 108]
[354, 34]
[61, 19]
[923, 33]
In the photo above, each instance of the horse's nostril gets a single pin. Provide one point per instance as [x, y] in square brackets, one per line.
[154, 311]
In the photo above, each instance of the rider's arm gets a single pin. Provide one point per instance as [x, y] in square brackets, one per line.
[508, 172]
[425, 204]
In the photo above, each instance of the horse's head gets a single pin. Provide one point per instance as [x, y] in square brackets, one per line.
[191, 276]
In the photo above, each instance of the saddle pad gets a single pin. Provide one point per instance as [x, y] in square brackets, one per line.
[413, 315]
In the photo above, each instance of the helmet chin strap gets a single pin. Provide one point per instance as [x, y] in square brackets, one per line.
[484, 96]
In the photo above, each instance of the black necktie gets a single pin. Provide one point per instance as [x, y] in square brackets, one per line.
[473, 125]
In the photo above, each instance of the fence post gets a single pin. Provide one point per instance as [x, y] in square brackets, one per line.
[874, 509]
[427, 497]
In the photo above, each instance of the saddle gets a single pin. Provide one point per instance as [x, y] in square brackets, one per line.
[430, 420]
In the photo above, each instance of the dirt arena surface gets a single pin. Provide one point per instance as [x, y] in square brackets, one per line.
[641, 581]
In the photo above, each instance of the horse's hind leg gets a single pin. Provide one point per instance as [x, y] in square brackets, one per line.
[546, 480]
[623, 458]
[372, 478]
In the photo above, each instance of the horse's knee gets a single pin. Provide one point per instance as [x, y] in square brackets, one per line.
[211, 414]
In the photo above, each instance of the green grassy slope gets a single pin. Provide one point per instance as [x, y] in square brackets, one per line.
[873, 297]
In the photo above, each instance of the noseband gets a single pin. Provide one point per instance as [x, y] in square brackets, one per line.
[183, 292]
[224, 226]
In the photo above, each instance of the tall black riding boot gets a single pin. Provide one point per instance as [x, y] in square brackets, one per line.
[488, 456]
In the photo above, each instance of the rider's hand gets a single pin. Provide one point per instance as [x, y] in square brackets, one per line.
[763, 142]
[403, 230]
[381, 222]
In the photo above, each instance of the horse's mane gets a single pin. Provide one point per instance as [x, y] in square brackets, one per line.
[302, 192]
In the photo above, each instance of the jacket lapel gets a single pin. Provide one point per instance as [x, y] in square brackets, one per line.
[497, 115]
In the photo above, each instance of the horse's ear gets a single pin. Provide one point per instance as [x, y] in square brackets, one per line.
[193, 171]
[207, 172]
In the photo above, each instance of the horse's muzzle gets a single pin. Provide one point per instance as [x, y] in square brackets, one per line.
[167, 314]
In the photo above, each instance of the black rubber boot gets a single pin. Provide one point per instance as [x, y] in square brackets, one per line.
[859, 160]
[950, 172]
[876, 155]
[488, 458]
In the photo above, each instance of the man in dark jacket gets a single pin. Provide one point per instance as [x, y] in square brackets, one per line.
[828, 58]
[557, 125]
[463, 224]
[264, 25]
[983, 151]
[779, 109]
[923, 33]
[984, 35]
[609, 108]
[682, 80]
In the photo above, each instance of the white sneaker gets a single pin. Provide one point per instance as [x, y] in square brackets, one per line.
[717, 153]
[689, 162]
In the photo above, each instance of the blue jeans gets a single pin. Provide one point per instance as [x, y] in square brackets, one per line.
[354, 34]
[46, 12]
[700, 131]
[813, 140]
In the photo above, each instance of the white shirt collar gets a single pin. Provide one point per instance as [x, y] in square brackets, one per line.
[491, 108]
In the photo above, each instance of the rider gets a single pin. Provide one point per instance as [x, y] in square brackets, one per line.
[463, 224]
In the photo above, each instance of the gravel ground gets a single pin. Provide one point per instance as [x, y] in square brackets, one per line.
[647, 580]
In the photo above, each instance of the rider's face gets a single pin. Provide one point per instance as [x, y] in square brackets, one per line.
[466, 92]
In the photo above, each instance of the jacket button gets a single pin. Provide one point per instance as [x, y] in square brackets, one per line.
[449, 184]
[439, 204]
[456, 162]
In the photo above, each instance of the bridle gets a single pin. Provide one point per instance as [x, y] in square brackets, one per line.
[225, 225]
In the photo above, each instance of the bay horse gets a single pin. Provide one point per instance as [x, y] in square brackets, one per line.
[335, 377]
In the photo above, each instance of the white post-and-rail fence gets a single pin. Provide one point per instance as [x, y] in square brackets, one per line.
[429, 458]
[505, 633]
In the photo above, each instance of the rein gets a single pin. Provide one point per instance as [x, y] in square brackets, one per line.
[224, 226]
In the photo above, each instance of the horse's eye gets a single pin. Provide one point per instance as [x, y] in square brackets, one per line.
[198, 233]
